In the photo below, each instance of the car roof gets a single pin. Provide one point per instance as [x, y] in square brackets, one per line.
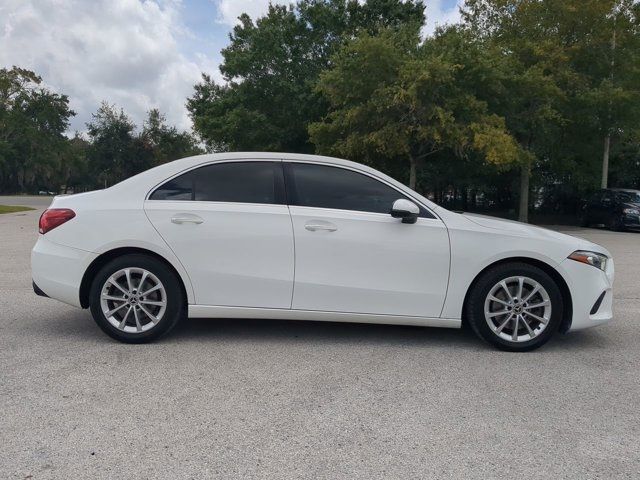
[148, 179]
[622, 190]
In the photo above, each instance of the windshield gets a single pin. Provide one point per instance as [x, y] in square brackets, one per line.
[633, 197]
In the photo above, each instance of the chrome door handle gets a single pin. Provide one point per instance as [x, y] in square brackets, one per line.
[186, 218]
[315, 226]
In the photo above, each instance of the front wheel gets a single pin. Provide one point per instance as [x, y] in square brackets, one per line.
[515, 306]
[584, 220]
[136, 299]
[616, 224]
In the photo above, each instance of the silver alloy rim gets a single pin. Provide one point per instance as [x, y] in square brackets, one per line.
[133, 300]
[517, 309]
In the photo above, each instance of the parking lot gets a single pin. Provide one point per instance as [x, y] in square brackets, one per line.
[278, 399]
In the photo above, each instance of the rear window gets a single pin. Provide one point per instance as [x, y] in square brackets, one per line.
[242, 182]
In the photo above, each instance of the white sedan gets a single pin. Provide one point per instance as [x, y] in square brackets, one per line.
[301, 237]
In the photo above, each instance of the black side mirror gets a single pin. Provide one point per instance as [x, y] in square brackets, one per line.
[406, 210]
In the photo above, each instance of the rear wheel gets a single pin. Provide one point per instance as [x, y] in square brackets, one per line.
[515, 306]
[136, 299]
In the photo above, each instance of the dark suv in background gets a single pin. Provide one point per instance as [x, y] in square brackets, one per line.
[616, 208]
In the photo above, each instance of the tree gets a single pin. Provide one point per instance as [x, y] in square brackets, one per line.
[32, 123]
[166, 142]
[535, 81]
[271, 66]
[574, 77]
[115, 152]
[606, 55]
[393, 97]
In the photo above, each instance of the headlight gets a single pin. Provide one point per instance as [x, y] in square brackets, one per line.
[590, 258]
[631, 211]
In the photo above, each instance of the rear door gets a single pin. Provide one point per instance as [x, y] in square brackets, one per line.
[352, 256]
[229, 225]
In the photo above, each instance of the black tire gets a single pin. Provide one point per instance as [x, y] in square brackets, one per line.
[475, 306]
[584, 220]
[175, 302]
[616, 224]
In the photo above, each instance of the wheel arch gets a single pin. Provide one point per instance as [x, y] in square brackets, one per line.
[100, 261]
[567, 301]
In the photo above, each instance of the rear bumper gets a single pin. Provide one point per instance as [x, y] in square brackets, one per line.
[587, 285]
[57, 270]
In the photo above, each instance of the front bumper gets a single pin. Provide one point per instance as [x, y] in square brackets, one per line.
[57, 270]
[591, 292]
[631, 221]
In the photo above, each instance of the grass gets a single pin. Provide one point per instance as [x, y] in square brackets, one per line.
[13, 208]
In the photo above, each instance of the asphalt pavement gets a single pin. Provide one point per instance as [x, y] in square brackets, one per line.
[278, 399]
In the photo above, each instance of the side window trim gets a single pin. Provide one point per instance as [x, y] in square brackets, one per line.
[291, 190]
[280, 193]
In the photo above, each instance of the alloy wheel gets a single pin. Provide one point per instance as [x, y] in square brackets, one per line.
[133, 300]
[517, 309]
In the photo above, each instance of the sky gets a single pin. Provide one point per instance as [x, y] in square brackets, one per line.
[136, 54]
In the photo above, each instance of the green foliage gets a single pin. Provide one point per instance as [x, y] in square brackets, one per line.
[573, 79]
[116, 151]
[271, 66]
[521, 97]
[32, 123]
[36, 155]
[392, 96]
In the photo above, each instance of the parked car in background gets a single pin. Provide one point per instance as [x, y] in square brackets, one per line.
[287, 236]
[616, 208]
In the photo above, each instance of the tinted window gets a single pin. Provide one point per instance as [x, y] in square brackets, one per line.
[332, 187]
[628, 197]
[245, 182]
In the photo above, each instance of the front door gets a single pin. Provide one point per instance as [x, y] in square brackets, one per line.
[230, 227]
[352, 256]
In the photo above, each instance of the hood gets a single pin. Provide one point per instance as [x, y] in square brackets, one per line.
[520, 229]
[631, 205]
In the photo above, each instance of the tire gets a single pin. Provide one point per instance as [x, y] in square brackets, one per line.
[615, 224]
[501, 332]
[584, 220]
[136, 318]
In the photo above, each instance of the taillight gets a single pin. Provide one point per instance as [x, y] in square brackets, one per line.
[54, 217]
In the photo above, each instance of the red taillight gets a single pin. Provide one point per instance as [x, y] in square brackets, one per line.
[54, 217]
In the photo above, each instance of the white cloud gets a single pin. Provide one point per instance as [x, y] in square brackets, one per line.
[128, 52]
[123, 51]
[438, 14]
[230, 10]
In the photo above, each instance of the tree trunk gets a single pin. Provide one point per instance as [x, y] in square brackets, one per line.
[412, 173]
[605, 161]
[523, 211]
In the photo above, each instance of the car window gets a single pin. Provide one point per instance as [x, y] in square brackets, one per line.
[333, 187]
[632, 197]
[244, 182]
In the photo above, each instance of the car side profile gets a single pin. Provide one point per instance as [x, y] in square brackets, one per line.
[616, 208]
[302, 237]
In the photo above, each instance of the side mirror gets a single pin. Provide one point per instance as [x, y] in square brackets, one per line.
[406, 210]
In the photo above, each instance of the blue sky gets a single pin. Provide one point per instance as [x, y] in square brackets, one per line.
[136, 54]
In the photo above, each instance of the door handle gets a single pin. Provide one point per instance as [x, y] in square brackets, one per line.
[315, 225]
[186, 218]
